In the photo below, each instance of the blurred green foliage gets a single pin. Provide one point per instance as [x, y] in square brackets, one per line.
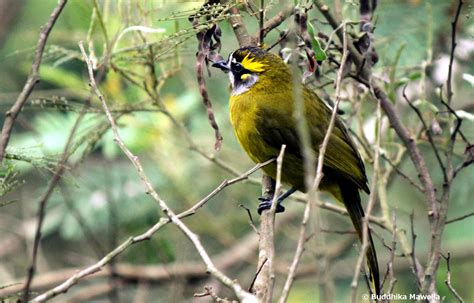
[101, 187]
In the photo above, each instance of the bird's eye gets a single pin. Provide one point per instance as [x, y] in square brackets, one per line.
[237, 67]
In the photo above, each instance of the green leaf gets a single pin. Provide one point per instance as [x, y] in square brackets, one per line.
[319, 53]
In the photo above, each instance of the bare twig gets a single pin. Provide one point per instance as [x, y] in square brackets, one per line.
[262, 19]
[339, 232]
[457, 128]
[415, 268]
[259, 270]
[342, 211]
[251, 222]
[223, 185]
[402, 174]
[448, 278]
[429, 134]
[453, 47]
[33, 79]
[460, 218]
[209, 292]
[58, 172]
[391, 273]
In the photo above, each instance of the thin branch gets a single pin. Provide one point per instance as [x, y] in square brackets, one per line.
[416, 271]
[453, 47]
[457, 128]
[33, 79]
[262, 19]
[223, 185]
[391, 273]
[428, 132]
[448, 278]
[402, 174]
[342, 211]
[251, 222]
[468, 161]
[339, 232]
[209, 292]
[460, 218]
[259, 270]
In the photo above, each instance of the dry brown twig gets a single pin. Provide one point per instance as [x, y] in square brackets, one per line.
[416, 269]
[208, 292]
[448, 278]
[390, 271]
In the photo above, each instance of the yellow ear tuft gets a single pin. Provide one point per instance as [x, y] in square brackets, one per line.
[249, 64]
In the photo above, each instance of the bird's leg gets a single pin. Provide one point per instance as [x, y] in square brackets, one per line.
[266, 203]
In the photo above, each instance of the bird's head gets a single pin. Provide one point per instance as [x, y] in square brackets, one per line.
[248, 66]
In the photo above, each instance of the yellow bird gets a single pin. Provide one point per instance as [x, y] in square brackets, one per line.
[261, 113]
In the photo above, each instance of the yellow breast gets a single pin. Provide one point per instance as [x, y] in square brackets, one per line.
[243, 115]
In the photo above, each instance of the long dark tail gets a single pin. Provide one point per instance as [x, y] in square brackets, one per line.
[351, 199]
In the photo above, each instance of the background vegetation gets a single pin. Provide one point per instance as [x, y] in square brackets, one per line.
[143, 52]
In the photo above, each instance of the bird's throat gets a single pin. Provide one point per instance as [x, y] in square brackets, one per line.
[240, 86]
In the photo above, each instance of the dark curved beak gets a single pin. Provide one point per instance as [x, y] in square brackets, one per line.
[221, 64]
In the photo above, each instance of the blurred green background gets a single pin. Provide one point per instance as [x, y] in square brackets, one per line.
[100, 201]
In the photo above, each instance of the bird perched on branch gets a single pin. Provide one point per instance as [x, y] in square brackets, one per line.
[261, 112]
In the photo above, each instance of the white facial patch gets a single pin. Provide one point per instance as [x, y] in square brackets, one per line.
[231, 60]
[244, 85]
[231, 78]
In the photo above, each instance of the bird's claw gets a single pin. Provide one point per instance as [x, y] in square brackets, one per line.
[266, 203]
